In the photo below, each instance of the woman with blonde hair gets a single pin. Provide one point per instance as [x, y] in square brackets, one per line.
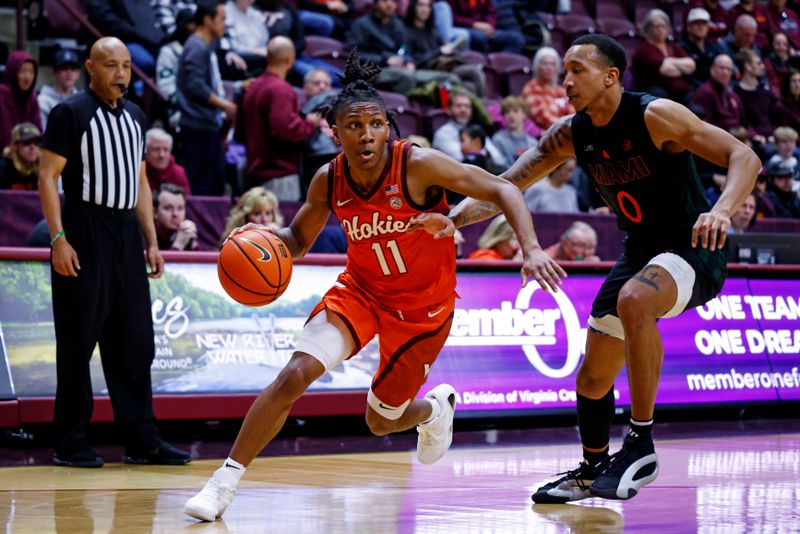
[497, 242]
[258, 206]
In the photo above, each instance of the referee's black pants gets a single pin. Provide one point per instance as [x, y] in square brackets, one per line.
[109, 303]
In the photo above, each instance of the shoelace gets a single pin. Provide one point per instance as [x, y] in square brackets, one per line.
[575, 474]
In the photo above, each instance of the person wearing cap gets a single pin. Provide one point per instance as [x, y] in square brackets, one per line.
[696, 43]
[66, 71]
[779, 191]
[18, 94]
[19, 166]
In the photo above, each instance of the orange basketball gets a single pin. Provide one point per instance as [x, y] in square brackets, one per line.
[254, 267]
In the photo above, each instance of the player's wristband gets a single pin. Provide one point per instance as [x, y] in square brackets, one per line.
[56, 237]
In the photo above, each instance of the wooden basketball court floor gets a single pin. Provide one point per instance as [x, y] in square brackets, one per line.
[732, 483]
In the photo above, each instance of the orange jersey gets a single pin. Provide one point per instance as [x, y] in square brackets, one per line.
[400, 270]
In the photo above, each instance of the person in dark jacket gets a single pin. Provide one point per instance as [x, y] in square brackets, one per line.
[201, 100]
[134, 23]
[18, 102]
[779, 191]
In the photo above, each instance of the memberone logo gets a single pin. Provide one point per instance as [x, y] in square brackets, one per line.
[520, 325]
[358, 230]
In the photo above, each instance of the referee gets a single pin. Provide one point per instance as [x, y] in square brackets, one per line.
[95, 142]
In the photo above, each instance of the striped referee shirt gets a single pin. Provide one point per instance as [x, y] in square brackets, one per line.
[104, 148]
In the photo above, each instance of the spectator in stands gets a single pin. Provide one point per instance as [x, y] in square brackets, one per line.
[19, 166]
[779, 191]
[380, 37]
[781, 19]
[446, 137]
[320, 147]
[329, 18]
[791, 101]
[754, 9]
[428, 51]
[696, 43]
[743, 36]
[716, 101]
[512, 140]
[134, 22]
[161, 165]
[718, 27]
[764, 206]
[66, 71]
[168, 61]
[577, 243]
[473, 141]
[760, 105]
[480, 19]
[272, 128]
[777, 63]
[246, 31]
[166, 13]
[257, 206]
[173, 229]
[745, 216]
[547, 100]
[202, 102]
[658, 66]
[497, 242]
[18, 94]
[785, 139]
[554, 193]
[283, 19]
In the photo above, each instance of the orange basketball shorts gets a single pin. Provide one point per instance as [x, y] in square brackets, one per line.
[409, 339]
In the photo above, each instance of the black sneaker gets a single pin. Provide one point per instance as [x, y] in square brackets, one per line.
[633, 466]
[81, 456]
[161, 454]
[573, 486]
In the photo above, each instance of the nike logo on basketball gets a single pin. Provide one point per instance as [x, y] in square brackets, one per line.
[265, 255]
[437, 312]
[341, 203]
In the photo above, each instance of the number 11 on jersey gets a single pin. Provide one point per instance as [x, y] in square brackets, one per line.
[398, 259]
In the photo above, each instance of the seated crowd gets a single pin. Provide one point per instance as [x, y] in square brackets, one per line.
[240, 92]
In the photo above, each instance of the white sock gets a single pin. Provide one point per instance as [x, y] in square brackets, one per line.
[436, 409]
[230, 473]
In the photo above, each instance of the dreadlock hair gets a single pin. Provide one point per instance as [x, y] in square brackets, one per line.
[357, 81]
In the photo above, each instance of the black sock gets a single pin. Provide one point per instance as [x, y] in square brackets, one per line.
[594, 424]
[641, 429]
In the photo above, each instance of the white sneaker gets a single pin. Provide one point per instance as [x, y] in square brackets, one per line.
[211, 502]
[436, 436]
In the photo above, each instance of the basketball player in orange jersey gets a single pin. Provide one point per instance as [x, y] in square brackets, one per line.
[396, 283]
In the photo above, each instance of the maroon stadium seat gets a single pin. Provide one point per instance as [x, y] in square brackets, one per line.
[575, 25]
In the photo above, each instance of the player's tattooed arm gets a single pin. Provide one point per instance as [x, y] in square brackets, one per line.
[553, 148]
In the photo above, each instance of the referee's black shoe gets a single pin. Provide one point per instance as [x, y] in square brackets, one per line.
[80, 456]
[633, 466]
[162, 454]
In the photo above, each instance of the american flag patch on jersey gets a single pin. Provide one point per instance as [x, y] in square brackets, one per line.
[392, 189]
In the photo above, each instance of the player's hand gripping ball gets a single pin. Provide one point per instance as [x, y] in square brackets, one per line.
[254, 267]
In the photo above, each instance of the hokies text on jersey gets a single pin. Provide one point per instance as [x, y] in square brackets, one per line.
[358, 230]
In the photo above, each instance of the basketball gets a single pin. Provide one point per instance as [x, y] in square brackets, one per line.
[254, 267]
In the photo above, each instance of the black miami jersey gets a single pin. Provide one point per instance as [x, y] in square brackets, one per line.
[656, 196]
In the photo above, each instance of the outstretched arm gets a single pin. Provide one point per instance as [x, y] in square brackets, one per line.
[553, 148]
[674, 129]
[430, 168]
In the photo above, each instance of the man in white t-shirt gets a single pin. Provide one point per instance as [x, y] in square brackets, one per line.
[554, 193]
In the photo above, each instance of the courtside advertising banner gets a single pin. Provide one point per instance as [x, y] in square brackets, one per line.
[510, 348]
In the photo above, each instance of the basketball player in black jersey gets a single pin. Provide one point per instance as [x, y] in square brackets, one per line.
[637, 151]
